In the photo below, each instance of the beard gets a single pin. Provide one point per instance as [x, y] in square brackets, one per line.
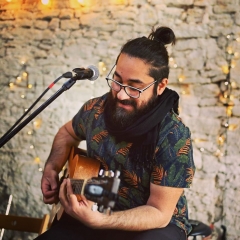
[122, 118]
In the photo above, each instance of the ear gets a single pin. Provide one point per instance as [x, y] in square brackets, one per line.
[161, 86]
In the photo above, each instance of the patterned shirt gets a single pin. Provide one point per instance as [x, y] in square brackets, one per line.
[174, 161]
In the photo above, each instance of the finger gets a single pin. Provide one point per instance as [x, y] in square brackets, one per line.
[69, 187]
[49, 194]
[62, 193]
[70, 195]
[50, 200]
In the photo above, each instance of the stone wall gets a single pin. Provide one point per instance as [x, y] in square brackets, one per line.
[39, 43]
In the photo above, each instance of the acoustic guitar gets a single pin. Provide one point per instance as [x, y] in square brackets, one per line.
[87, 179]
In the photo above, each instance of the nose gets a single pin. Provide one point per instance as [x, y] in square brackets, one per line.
[122, 95]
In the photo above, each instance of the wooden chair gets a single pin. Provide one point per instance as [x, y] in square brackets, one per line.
[24, 224]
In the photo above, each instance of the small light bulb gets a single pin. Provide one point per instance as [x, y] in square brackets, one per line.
[233, 64]
[220, 140]
[225, 69]
[233, 84]
[181, 78]
[37, 160]
[25, 74]
[37, 123]
[229, 50]
[11, 85]
[19, 79]
[226, 125]
[45, 2]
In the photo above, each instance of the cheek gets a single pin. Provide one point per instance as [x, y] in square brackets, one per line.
[114, 93]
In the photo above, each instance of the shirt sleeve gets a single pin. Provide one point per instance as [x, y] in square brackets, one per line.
[78, 124]
[174, 158]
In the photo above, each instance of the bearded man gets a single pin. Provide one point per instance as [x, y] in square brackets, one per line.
[135, 129]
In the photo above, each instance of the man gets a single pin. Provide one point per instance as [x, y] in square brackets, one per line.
[134, 129]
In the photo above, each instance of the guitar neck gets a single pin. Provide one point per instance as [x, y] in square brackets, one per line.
[78, 186]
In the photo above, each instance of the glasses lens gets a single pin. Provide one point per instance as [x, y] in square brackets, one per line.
[132, 92]
[114, 85]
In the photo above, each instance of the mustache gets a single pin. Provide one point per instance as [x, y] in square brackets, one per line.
[127, 102]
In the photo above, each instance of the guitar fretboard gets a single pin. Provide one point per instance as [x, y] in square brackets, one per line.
[78, 185]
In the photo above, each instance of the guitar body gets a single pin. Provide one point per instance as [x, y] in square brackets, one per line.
[83, 173]
[82, 167]
[79, 167]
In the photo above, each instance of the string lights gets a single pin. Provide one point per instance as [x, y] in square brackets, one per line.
[22, 85]
[226, 96]
[102, 68]
[184, 87]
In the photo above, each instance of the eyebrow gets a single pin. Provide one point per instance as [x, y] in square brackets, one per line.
[130, 80]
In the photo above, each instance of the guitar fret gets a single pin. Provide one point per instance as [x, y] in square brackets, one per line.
[77, 185]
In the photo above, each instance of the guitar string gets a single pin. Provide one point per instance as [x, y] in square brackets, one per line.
[77, 185]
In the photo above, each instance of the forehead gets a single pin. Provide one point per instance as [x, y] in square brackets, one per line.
[129, 67]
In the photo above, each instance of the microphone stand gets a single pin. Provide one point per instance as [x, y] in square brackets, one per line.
[67, 85]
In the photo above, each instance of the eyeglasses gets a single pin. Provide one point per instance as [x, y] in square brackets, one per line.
[129, 90]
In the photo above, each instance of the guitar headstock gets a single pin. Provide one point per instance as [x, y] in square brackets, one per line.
[103, 190]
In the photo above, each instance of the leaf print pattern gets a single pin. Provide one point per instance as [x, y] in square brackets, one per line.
[158, 173]
[103, 163]
[173, 167]
[98, 137]
[123, 192]
[130, 178]
[81, 127]
[190, 173]
[124, 151]
[99, 109]
[185, 149]
[90, 104]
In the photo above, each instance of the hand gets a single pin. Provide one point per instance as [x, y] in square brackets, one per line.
[50, 186]
[82, 210]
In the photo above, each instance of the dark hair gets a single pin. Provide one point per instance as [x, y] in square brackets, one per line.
[152, 51]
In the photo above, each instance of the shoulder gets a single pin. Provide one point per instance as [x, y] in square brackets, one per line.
[173, 125]
[94, 103]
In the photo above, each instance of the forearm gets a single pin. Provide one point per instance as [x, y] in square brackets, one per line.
[136, 219]
[61, 147]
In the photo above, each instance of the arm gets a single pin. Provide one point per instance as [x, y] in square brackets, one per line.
[156, 213]
[63, 141]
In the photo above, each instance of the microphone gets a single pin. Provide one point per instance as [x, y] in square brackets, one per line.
[91, 73]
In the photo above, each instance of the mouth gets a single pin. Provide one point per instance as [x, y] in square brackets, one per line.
[125, 106]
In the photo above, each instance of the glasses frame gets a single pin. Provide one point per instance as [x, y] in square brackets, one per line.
[124, 86]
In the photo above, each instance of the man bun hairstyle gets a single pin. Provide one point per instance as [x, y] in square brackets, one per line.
[152, 50]
[163, 35]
